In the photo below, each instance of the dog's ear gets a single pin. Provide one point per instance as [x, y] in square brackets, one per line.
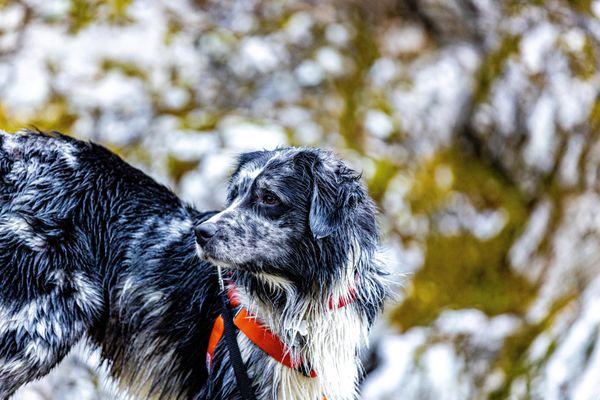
[336, 190]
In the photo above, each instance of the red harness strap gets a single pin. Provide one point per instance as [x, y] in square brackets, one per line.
[260, 335]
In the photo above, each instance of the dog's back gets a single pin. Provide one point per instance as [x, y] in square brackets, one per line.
[91, 247]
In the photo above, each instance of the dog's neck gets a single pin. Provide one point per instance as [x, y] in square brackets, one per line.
[327, 338]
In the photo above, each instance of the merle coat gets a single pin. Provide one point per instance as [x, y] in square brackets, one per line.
[93, 249]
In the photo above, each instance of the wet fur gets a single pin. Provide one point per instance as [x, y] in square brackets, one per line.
[92, 249]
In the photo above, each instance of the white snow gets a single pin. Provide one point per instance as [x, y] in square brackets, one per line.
[379, 123]
[542, 141]
[310, 73]
[337, 34]
[536, 44]
[240, 135]
[298, 27]
[330, 60]
[260, 53]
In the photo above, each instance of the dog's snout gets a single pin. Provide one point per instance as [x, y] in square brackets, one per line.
[204, 232]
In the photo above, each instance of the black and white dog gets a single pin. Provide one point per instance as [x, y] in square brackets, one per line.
[93, 249]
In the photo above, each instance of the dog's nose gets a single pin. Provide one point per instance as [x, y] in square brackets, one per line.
[204, 232]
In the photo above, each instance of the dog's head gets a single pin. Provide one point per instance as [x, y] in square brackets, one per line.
[299, 215]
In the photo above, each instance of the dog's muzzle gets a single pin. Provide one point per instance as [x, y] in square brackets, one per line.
[204, 232]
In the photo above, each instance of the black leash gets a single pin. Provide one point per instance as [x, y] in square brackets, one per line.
[239, 368]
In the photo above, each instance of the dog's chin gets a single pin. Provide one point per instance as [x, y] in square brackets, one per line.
[207, 255]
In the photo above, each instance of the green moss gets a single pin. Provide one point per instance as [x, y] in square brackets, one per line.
[385, 170]
[351, 87]
[7, 123]
[584, 6]
[204, 121]
[118, 10]
[82, 13]
[173, 28]
[55, 114]
[594, 117]
[584, 63]
[463, 271]
[493, 65]
[126, 68]
[177, 168]
[513, 360]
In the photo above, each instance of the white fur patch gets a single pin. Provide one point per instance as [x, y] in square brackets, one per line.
[66, 151]
[250, 174]
[9, 144]
[330, 346]
[20, 228]
[87, 297]
[275, 282]
[232, 207]
[170, 230]
[138, 382]
[11, 367]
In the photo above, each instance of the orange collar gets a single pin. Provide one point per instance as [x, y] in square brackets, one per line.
[262, 336]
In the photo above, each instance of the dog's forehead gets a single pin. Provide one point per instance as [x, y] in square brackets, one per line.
[270, 167]
[277, 164]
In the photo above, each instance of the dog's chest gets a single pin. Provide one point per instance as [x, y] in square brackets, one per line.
[328, 344]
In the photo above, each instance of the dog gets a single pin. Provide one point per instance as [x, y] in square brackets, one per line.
[94, 250]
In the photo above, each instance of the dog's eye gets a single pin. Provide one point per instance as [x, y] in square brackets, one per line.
[269, 199]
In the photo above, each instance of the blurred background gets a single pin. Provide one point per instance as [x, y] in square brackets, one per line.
[476, 124]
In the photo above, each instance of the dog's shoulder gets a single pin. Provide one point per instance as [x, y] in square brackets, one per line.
[30, 156]
[35, 165]
[27, 154]
[54, 148]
